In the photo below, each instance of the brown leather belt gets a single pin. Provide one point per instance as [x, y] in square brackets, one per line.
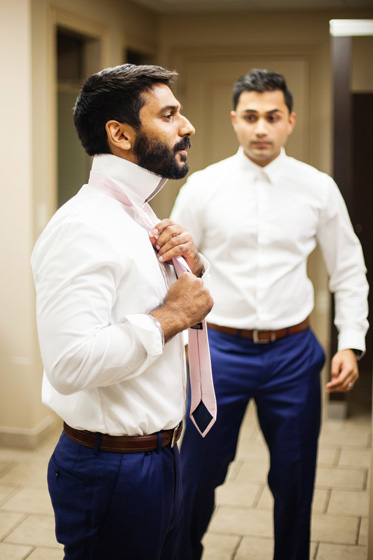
[262, 337]
[124, 444]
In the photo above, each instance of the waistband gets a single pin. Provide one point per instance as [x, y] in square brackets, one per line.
[262, 337]
[124, 444]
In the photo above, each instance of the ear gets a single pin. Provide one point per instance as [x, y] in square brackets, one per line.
[120, 137]
[233, 117]
[292, 119]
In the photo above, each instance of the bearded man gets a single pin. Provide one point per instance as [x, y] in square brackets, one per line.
[110, 312]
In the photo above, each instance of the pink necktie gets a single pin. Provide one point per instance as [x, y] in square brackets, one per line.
[203, 403]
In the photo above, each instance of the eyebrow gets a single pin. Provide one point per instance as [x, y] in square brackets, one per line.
[267, 112]
[171, 108]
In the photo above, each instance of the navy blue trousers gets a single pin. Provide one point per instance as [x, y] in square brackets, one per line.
[283, 378]
[113, 506]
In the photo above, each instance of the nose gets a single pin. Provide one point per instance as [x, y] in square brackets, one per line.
[261, 127]
[186, 128]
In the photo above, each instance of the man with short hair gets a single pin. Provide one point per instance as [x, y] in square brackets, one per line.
[257, 216]
[110, 312]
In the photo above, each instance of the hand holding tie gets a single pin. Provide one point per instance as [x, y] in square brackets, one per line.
[172, 240]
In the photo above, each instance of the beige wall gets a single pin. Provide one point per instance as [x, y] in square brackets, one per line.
[19, 386]
[28, 175]
[193, 44]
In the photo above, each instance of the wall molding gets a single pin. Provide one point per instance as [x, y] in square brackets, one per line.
[26, 438]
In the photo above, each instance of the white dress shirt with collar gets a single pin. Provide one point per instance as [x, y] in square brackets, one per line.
[257, 226]
[97, 277]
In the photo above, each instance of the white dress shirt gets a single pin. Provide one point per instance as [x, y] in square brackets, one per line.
[257, 226]
[97, 277]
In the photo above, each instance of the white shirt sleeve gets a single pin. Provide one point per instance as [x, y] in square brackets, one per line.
[347, 273]
[76, 291]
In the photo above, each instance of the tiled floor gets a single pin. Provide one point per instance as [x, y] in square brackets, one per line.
[241, 528]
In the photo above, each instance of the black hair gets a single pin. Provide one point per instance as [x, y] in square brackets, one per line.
[261, 81]
[114, 94]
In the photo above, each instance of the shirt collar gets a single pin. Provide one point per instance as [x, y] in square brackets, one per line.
[272, 170]
[140, 184]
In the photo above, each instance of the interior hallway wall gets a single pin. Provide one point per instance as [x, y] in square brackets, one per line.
[20, 407]
[28, 175]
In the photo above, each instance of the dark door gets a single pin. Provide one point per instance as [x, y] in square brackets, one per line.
[362, 209]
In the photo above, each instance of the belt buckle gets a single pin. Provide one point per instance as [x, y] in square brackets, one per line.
[257, 340]
[174, 433]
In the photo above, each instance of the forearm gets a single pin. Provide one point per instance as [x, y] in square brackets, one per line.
[104, 357]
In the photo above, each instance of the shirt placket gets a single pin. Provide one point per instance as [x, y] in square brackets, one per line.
[261, 184]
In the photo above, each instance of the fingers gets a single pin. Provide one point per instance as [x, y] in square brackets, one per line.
[173, 240]
[170, 236]
[344, 372]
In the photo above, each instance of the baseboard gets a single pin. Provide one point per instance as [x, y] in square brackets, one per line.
[337, 410]
[24, 438]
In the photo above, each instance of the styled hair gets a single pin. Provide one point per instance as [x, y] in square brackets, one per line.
[114, 94]
[261, 81]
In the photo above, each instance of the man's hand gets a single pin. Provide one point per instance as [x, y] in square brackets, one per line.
[344, 372]
[187, 302]
[172, 240]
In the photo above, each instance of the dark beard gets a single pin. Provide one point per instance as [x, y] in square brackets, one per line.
[157, 157]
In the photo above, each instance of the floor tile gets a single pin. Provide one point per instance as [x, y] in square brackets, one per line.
[27, 474]
[251, 471]
[349, 503]
[313, 548]
[338, 552]
[240, 521]
[5, 466]
[320, 500]
[265, 499]
[355, 458]
[363, 532]
[355, 438]
[334, 528]
[341, 478]
[233, 469]
[328, 456]
[29, 500]
[254, 451]
[14, 551]
[219, 547]
[35, 529]
[6, 492]
[41, 553]
[8, 521]
[237, 493]
[253, 548]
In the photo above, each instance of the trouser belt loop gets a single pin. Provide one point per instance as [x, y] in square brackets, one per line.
[159, 442]
[96, 448]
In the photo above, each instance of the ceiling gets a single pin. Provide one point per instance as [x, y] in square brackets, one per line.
[208, 6]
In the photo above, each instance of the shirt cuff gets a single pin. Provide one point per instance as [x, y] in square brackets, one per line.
[205, 270]
[148, 332]
[159, 327]
[351, 340]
